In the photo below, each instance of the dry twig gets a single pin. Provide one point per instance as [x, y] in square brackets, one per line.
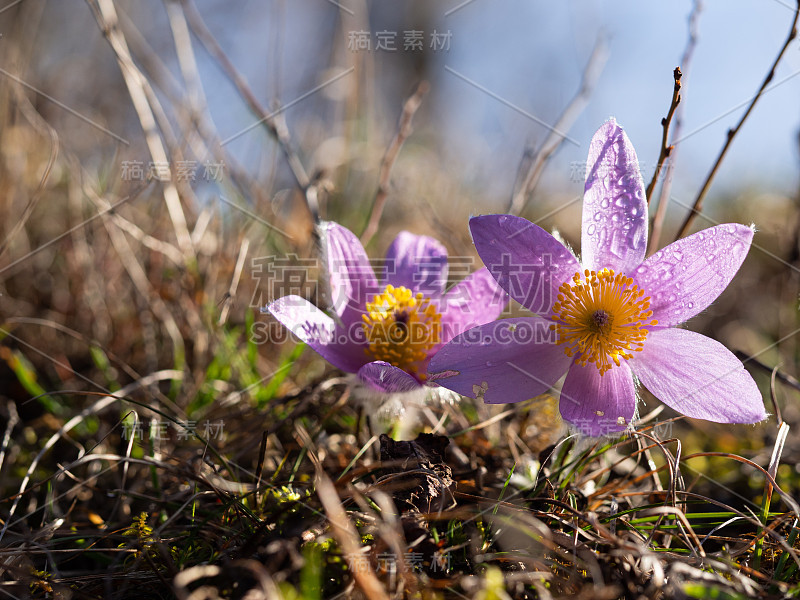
[663, 200]
[410, 107]
[698, 202]
[106, 16]
[276, 128]
[666, 149]
[557, 135]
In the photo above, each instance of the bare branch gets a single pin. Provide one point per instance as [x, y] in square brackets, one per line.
[666, 149]
[666, 187]
[403, 131]
[277, 129]
[698, 202]
[594, 67]
[106, 16]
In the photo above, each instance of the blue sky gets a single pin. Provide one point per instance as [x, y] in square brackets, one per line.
[531, 54]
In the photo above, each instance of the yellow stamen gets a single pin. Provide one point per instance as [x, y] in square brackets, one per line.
[401, 328]
[601, 318]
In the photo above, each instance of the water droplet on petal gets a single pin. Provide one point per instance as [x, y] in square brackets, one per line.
[604, 203]
[591, 229]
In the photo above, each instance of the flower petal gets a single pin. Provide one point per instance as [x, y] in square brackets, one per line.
[598, 404]
[319, 331]
[527, 262]
[614, 229]
[352, 279]
[384, 377]
[504, 361]
[475, 300]
[687, 276]
[417, 262]
[698, 376]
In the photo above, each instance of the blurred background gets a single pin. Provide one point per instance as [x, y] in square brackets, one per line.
[160, 159]
[160, 120]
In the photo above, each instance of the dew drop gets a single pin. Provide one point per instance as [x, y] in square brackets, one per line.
[598, 216]
[604, 203]
[591, 229]
[690, 305]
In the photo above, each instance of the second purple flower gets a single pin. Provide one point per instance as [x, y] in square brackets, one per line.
[609, 318]
[386, 326]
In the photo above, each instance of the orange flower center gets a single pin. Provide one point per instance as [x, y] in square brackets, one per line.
[601, 318]
[401, 328]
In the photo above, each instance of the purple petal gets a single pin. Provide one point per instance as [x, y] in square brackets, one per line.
[319, 331]
[352, 279]
[614, 230]
[527, 262]
[475, 300]
[688, 275]
[598, 404]
[417, 262]
[698, 376]
[503, 361]
[384, 377]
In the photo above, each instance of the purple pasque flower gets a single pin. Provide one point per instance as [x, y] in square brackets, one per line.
[386, 328]
[609, 319]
